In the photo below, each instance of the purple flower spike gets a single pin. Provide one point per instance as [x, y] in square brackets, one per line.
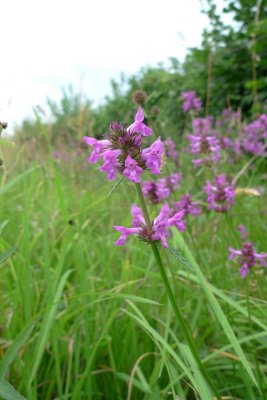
[132, 170]
[207, 146]
[153, 156]
[160, 226]
[190, 101]
[188, 206]
[122, 149]
[243, 231]
[138, 126]
[98, 147]
[255, 135]
[170, 150]
[244, 270]
[220, 195]
[111, 163]
[248, 257]
[161, 189]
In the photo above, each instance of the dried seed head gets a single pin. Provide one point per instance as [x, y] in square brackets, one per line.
[139, 97]
[155, 110]
[3, 125]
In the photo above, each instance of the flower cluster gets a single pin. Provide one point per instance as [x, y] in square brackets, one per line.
[160, 226]
[191, 101]
[204, 142]
[122, 152]
[255, 136]
[220, 194]
[248, 257]
[229, 115]
[243, 231]
[170, 150]
[188, 206]
[161, 189]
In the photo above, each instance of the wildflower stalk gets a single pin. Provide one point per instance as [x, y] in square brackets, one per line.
[171, 296]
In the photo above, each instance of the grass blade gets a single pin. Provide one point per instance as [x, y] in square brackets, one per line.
[8, 392]
[12, 351]
[4, 256]
[215, 306]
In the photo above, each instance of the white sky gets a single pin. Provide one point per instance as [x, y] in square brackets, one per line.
[47, 44]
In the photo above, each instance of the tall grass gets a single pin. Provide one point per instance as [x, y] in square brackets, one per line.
[82, 319]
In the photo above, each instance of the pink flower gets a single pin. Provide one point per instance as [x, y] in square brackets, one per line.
[243, 231]
[208, 148]
[122, 150]
[177, 220]
[137, 215]
[170, 149]
[138, 126]
[159, 226]
[248, 257]
[125, 232]
[191, 101]
[98, 147]
[111, 163]
[132, 170]
[188, 206]
[153, 156]
[161, 189]
[220, 194]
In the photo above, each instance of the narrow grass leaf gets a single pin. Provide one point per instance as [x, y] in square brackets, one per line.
[156, 336]
[47, 325]
[215, 306]
[135, 382]
[115, 186]
[136, 299]
[16, 180]
[227, 299]
[8, 392]
[12, 351]
[7, 254]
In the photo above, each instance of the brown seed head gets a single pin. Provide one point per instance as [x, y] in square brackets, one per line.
[139, 97]
[155, 110]
[3, 125]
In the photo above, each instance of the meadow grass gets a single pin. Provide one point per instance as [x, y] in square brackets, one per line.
[83, 319]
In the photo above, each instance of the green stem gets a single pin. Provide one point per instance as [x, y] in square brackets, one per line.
[171, 296]
[143, 206]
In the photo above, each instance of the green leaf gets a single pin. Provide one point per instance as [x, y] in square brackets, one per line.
[135, 382]
[160, 340]
[12, 351]
[8, 392]
[47, 325]
[7, 254]
[222, 319]
[115, 186]
[16, 180]
[137, 299]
